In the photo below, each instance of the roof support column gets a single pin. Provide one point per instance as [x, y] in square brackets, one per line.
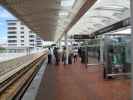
[131, 6]
[59, 43]
[66, 45]
[101, 50]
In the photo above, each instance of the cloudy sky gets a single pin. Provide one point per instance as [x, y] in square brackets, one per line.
[4, 15]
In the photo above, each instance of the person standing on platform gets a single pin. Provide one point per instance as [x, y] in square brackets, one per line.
[56, 54]
[75, 56]
[70, 56]
[64, 55]
[79, 51]
[84, 56]
[98, 52]
[49, 56]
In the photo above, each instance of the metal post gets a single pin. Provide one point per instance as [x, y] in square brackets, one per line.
[66, 44]
[131, 6]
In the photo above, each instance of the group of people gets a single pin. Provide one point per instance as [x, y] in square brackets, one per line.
[69, 56]
[57, 55]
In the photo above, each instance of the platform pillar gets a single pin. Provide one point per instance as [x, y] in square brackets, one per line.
[101, 50]
[66, 45]
[131, 6]
[59, 44]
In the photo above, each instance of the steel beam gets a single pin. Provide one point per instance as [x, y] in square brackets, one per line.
[87, 5]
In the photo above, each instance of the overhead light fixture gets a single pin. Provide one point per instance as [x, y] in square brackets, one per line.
[67, 3]
[63, 13]
[98, 1]
[125, 31]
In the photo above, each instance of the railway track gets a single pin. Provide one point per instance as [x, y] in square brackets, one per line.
[14, 86]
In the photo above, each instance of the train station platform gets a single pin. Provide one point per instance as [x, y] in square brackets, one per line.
[77, 82]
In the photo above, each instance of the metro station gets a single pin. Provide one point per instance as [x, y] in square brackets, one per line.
[88, 55]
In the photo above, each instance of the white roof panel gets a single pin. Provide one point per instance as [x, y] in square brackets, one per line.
[102, 14]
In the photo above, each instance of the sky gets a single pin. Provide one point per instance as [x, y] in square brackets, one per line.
[4, 15]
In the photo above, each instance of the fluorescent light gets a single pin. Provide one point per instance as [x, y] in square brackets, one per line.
[63, 13]
[128, 31]
[67, 3]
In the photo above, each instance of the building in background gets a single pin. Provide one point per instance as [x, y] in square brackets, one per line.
[20, 36]
[39, 42]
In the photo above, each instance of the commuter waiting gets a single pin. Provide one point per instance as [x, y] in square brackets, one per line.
[70, 56]
[49, 56]
[75, 55]
[84, 56]
[64, 56]
[56, 54]
[79, 52]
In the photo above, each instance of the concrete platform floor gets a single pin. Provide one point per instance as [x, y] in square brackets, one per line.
[76, 82]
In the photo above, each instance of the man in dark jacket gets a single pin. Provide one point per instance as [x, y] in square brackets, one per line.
[56, 54]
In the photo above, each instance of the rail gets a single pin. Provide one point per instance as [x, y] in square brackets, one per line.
[13, 86]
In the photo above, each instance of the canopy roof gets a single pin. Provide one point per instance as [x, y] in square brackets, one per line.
[102, 14]
[50, 18]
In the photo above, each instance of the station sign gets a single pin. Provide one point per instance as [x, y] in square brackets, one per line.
[81, 37]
